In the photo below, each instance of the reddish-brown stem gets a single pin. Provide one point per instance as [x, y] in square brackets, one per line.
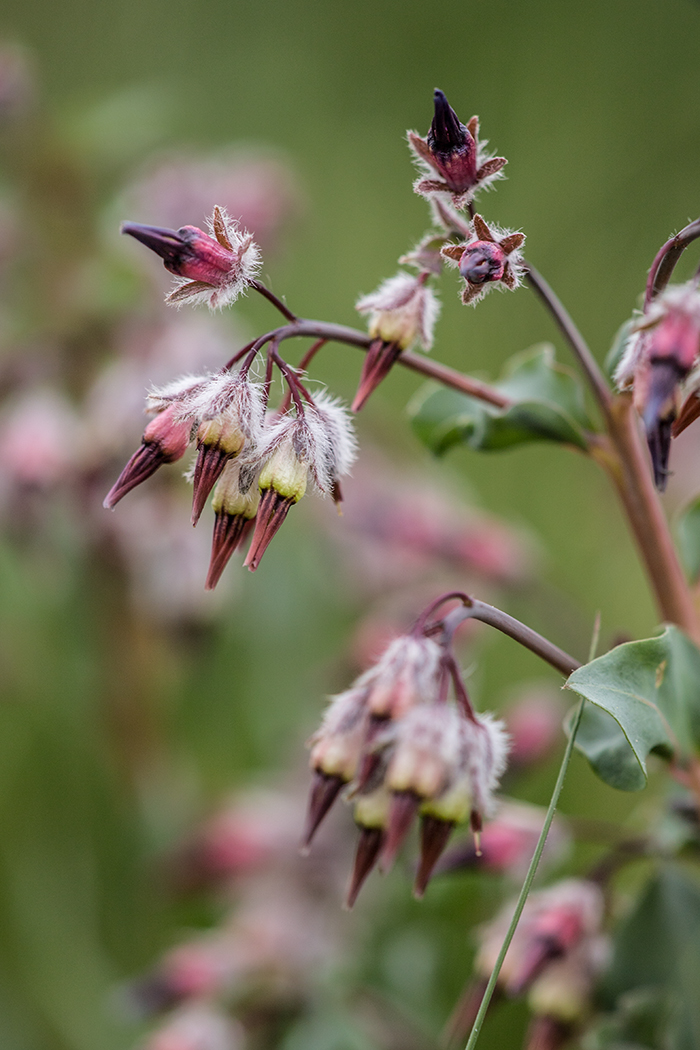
[461, 695]
[258, 286]
[476, 610]
[666, 259]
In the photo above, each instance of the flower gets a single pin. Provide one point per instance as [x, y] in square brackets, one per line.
[165, 439]
[453, 153]
[659, 357]
[317, 444]
[235, 504]
[213, 268]
[231, 421]
[492, 257]
[403, 312]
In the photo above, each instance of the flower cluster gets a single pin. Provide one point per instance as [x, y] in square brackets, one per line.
[403, 309]
[257, 467]
[659, 365]
[402, 750]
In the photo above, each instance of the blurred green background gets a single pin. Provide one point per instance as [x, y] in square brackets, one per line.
[597, 107]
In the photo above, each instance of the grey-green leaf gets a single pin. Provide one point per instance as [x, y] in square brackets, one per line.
[547, 406]
[652, 690]
[606, 747]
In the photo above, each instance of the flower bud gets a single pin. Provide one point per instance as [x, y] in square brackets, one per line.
[407, 674]
[452, 152]
[403, 312]
[165, 440]
[492, 258]
[335, 753]
[235, 505]
[214, 268]
[554, 924]
[231, 420]
[320, 445]
[371, 816]
[658, 358]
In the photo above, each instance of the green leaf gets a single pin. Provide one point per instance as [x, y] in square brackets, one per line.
[602, 741]
[658, 946]
[652, 690]
[688, 533]
[548, 406]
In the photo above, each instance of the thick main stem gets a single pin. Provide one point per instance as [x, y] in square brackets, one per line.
[631, 475]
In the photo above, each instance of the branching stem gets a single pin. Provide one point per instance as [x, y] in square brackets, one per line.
[666, 259]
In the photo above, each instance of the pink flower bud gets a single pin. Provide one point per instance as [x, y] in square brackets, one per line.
[556, 923]
[657, 360]
[452, 152]
[165, 439]
[534, 725]
[197, 1026]
[491, 259]
[214, 268]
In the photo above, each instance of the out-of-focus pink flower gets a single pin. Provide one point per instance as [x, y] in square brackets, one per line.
[197, 1026]
[41, 440]
[534, 722]
[508, 842]
[18, 87]
[257, 188]
[556, 924]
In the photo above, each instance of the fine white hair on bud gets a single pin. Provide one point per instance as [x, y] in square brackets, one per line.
[632, 358]
[179, 390]
[336, 747]
[427, 752]
[403, 311]
[321, 441]
[224, 263]
[340, 443]
[407, 674]
[485, 743]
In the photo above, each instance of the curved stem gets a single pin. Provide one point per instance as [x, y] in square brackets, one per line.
[493, 980]
[666, 259]
[578, 344]
[258, 286]
[476, 610]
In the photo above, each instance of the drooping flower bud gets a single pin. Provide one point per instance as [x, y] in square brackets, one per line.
[336, 748]
[658, 358]
[371, 816]
[231, 421]
[491, 259]
[318, 445]
[213, 268]
[235, 504]
[554, 924]
[403, 312]
[452, 152]
[165, 440]
[407, 674]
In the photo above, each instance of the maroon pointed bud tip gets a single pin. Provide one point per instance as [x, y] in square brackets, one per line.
[369, 846]
[687, 415]
[659, 414]
[376, 366]
[483, 262]
[144, 462]
[230, 531]
[208, 469]
[168, 244]
[447, 134]
[548, 1033]
[434, 836]
[324, 791]
[404, 806]
[272, 511]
